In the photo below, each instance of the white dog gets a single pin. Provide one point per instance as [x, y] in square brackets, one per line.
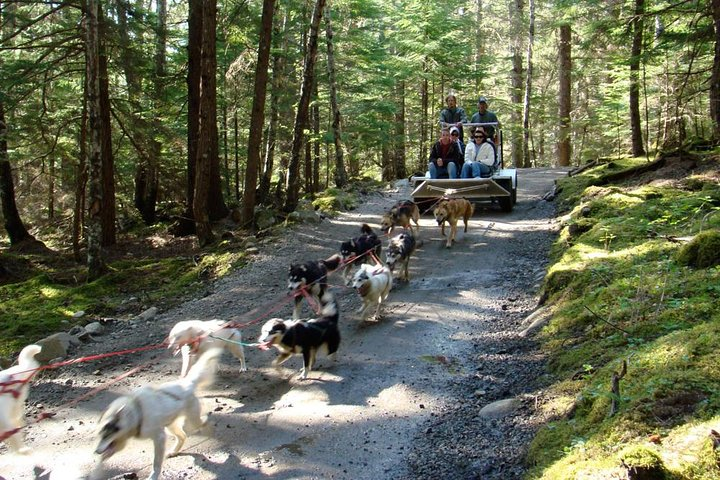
[149, 410]
[14, 388]
[195, 337]
[373, 283]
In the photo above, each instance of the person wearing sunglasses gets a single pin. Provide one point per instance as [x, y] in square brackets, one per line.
[479, 156]
[455, 135]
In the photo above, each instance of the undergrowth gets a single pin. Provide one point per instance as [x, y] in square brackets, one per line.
[47, 290]
[624, 288]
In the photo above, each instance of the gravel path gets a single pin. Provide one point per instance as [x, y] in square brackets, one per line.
[401, 402]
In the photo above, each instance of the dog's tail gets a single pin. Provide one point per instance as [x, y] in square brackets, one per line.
[332, 263]
[329, 308]
[203, 370]
[469, 211]
[366, 229]
[27, 356]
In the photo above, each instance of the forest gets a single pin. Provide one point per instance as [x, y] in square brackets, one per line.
[190, 112]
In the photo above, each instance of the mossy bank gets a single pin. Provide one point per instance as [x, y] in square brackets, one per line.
[635, 282]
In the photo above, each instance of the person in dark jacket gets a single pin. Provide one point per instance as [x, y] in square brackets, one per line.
[483, 115]
[445, 157]
[453, 115]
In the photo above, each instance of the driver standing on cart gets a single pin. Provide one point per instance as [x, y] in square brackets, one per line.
[453, 115]
[483, 115]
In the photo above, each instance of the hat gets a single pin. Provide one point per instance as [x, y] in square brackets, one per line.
[482, 100]
[454, 130]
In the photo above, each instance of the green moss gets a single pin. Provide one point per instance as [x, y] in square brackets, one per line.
[642, 463]
[620, 289]
[703, 251]
[334, 199]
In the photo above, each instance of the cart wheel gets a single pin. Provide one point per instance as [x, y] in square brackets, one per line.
[506, 203]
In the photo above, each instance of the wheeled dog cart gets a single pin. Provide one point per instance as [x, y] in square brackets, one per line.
[501, 187]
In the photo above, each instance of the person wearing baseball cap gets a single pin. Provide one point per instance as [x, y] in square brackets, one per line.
[483, 115]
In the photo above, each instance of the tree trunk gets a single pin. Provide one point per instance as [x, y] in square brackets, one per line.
[257, 117]
[340, 175]
[96, 264]
[236, 167]
[107, 214]
[526, 161]
[13, 224]
[207, 162]
[292, 196]
[154, 157]
[81, 177]
[186, 225]
[424, 99]
[637, 44]
[516, 80]
[15, 228]
[399, 167]
[715, 78]
[386, 163]
[276, 88]
[564, 51]
[479, 52]
[316, 143]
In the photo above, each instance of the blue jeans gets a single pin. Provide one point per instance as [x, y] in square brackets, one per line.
[449, 171]
[475, 170]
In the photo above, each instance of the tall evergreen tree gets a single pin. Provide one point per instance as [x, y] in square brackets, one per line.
[301, 116]
[257, 118]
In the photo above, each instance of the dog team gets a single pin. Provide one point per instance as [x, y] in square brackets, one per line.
[150, 410]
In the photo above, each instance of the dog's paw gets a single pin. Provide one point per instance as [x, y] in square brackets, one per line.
[243, 369]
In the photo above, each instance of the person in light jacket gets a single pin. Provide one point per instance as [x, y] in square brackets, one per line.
[479, 156]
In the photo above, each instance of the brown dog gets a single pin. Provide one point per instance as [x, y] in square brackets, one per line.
[400, 215]
[450, 210]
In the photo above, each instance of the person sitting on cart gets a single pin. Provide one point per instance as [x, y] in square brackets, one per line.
[480, 156]
[453, 115]
[445, 157]
[455, 135]
[483, 115]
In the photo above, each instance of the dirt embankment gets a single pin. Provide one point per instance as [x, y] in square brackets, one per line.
[403, 399]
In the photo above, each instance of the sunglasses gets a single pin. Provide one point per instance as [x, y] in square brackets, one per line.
[454, 134]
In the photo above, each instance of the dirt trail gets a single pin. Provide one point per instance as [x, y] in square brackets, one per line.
[400, 401]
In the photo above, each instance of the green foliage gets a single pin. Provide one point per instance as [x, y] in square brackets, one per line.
[631, 299]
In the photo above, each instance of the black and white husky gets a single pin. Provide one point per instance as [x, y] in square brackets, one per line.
[150, 410]
[373, 283]
[399, 249]
[310, 278]
[304, 337]
[360, 250]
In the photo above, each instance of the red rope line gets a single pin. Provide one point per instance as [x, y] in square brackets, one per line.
[15, 392]
[45, 415]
